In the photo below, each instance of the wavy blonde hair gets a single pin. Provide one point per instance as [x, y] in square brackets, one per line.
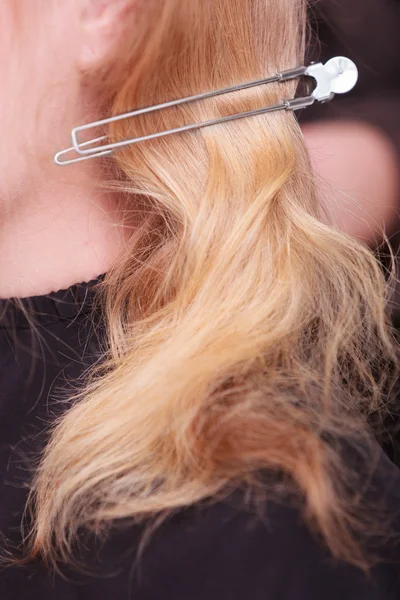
[244, 334]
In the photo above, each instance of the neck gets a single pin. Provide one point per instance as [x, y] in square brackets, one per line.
[58, 234]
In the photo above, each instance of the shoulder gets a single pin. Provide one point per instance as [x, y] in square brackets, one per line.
[222, 551]
[277, 556]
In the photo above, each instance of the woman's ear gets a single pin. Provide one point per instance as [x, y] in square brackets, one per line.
[103, 22]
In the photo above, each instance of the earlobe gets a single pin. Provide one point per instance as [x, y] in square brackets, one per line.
[102, 24]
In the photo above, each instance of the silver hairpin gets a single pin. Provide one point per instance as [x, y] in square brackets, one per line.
[338, 76]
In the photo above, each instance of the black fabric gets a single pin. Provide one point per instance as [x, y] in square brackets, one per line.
[206, 552]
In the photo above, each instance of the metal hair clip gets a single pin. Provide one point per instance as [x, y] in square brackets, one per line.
[338, 76]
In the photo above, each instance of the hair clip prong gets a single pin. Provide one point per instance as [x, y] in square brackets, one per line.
[338, 76]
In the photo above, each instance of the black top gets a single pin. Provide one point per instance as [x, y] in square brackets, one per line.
[212, 552]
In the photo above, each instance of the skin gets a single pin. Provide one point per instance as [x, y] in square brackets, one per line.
[357, 169]
[55, 228]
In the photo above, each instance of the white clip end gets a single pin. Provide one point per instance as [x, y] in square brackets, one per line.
[338, 76]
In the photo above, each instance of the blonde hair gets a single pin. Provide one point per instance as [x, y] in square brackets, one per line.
[244, 334]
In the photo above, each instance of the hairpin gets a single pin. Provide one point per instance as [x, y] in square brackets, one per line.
[338, 76]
